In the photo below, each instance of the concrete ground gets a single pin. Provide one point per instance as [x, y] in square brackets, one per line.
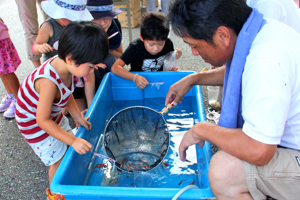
[22, 174]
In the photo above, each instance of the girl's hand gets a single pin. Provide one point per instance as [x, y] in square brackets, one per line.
[45, 48]
[141, 82]
[81, 146]
[178, 53]
[83, 122]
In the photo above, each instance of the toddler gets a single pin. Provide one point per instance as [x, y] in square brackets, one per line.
[9, 62]
[48, 89]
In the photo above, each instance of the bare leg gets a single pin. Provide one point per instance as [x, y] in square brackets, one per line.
[52, 171]
[29, 20]
[81, 104]
[227, 177]
[7, 88]
[11, 83]
[36, 63]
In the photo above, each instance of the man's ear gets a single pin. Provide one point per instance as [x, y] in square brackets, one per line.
[222, 35]
[141, 38]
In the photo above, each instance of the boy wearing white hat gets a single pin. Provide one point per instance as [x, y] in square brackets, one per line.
[61, 13]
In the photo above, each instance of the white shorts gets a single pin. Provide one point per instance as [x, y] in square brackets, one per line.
[51, 150]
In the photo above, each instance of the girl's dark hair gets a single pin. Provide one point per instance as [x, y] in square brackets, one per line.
[153, 26]
[199, 19]
[85, 41]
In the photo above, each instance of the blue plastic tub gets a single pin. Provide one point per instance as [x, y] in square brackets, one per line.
[76, 177]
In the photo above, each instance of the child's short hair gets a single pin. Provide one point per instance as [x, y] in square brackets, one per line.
[153, 26]
[85, 41]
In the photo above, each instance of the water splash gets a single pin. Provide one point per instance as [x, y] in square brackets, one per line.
[156, 84]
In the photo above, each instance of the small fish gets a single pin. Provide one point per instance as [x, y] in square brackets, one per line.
[180, 182]
[146, 166]
[131, 166]
[165, 164]
[111, 180]
[192, 183]
[137, 164]
[100, 166]
[131, 184]
[145, 160]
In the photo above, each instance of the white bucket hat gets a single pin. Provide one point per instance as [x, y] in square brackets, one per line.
[73, 10]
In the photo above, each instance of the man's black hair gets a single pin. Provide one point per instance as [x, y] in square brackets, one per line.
[199, 19]
[154, 26]
[85, 41]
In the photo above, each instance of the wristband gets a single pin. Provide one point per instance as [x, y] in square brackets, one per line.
[32, 49]
[134, 78]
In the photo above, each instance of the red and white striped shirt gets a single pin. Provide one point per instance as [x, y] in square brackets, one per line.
[28, 99]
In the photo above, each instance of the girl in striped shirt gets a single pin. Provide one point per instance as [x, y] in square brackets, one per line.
[48, 89]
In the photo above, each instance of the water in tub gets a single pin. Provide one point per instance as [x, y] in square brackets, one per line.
[171, 172]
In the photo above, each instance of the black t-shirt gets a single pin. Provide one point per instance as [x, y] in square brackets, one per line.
[141, 60]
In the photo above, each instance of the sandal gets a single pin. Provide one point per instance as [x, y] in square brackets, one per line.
[54, 197]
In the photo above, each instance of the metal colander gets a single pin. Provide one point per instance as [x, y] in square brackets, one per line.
[137, 138]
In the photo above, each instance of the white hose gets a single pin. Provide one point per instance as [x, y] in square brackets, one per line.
[183, 190]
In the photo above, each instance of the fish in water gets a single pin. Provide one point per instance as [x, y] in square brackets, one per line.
[111, 180]
[192, 183]
[100, 166]
[180, 182]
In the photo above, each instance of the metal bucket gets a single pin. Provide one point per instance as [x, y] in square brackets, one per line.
[137, 138]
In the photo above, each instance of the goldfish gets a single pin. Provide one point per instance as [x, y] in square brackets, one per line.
[192, 183]
[111, 180]
[100, 166]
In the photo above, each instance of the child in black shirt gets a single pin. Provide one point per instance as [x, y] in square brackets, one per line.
[148, 52]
